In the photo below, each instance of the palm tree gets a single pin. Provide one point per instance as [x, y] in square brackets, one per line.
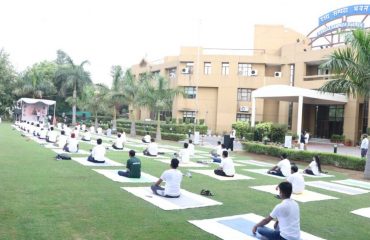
[351, 65]
[70, 76]
[116, 95]
[93, 99]
[131, 94]
[157, 95]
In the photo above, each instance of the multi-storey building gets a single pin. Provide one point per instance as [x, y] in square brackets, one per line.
[218, 86]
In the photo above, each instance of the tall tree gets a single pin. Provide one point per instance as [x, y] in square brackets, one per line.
[8, 77]
[157, 95]
[116, 95]
[37, 81]
[132, 96]
[351, 65]
[71, 76]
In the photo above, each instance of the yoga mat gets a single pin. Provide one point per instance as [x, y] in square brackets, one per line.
[186, 199]
[113, 175]
[238, 227]
[51, 146]
[210, 173]
[80, 151]
[305, 196]
[322, 175]
[337, 187]
[108, 162]
[255, 163]
[365, 212]
[263, 171]
[189, 164]
[355, 183]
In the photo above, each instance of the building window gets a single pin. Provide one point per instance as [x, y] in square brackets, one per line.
[189, 116]
[207, 68]
[323, 71]
[245, 94]
[244, 69]
[172, 73]
[225, 68]
[243, 117]
[190, 66]
[336, 113]
[190, 92]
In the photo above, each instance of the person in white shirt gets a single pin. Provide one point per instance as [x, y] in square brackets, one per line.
[217, 151]
[173, 178]
[146, 138]
[87, 136]
[99, 130]
[217, 159]
[286, 213]
[306, 138]
[118, 143]
[123, 136]
[226, 168]
[283, 167]
[109, 132]
[72, 144]
[76, 131]
[52, 136]
[314, 168]
[297, 180]
[83, 127]
[92, 129]
[232, 138]
[184, 155]
[43, 133]
[61, 140]
[191, 148]
[67, 130]
[98, 153]
[364, 146]
[152, 149]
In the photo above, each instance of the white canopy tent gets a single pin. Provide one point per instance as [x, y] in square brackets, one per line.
[33, 109]
[295, 94]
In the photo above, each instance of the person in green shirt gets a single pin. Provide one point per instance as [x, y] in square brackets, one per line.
[133, 166]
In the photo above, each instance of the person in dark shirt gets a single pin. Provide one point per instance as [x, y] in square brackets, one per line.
[133, 166]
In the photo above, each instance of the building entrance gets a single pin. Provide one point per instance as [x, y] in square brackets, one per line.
[329, 120]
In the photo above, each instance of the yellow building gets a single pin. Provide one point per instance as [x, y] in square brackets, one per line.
[219, 83]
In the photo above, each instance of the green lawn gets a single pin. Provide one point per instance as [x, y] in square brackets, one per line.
[41, 198]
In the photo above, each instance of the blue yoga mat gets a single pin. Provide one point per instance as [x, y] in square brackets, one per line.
[240, 224]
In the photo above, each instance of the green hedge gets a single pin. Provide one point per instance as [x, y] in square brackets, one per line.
[165, 136]
[337, 160]
[337, 138]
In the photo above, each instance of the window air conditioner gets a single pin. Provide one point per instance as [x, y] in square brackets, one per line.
[253, 72]
[185, 70]
[277, 74]
[244, 109]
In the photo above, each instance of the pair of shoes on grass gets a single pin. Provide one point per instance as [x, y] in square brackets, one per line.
[206, 192]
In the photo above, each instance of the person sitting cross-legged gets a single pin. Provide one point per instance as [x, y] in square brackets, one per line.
[52, 136]
[282, 169]
[173, 178]
[191, 148]
[146, 138]
[97, 153]
[226, 168]
[217, 151]
[184, 154]
[217, 158]
[87, 136]
[314, 168]
[152, 149]
[286, 213]
[297, 180]
[133, 166]
[61, 140]
[118, 143]
[72, 144]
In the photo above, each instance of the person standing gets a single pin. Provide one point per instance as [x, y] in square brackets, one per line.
[364, 146]
[286, 213]
[302, 141]
[232, 138]
[306, 138]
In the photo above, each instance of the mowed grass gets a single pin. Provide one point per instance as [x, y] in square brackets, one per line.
[41, 198]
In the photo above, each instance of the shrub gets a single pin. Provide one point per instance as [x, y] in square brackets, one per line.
[165, 136]
[337, 138]
[337, 160]
[263, 129]
[278, 132]
[242, 128]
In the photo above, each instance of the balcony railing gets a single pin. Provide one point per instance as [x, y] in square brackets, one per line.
[318, 77]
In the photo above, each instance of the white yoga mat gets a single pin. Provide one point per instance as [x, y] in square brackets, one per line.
[322, 175]
[306, 196]
[210, 173]
[365, 212]
[186, 199]
[337, 187]
[263, 171]
[238, 227]
[117, 150]
[355, 183]
[108, 162]
[113, 175]
[51, 146]
[80, 151]
[255, 163]
[188, 164]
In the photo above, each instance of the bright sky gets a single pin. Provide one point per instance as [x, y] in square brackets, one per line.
[122, 32]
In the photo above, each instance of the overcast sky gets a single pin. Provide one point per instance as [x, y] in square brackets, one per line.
[122, 32]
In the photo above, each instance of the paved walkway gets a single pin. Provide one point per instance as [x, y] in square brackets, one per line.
[211, 141]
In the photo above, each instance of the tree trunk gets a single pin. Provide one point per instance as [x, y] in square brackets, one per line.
[133, 125]
[114, 127]
[367, 167]
[96, 121]
[158, 135]
[74, 106]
